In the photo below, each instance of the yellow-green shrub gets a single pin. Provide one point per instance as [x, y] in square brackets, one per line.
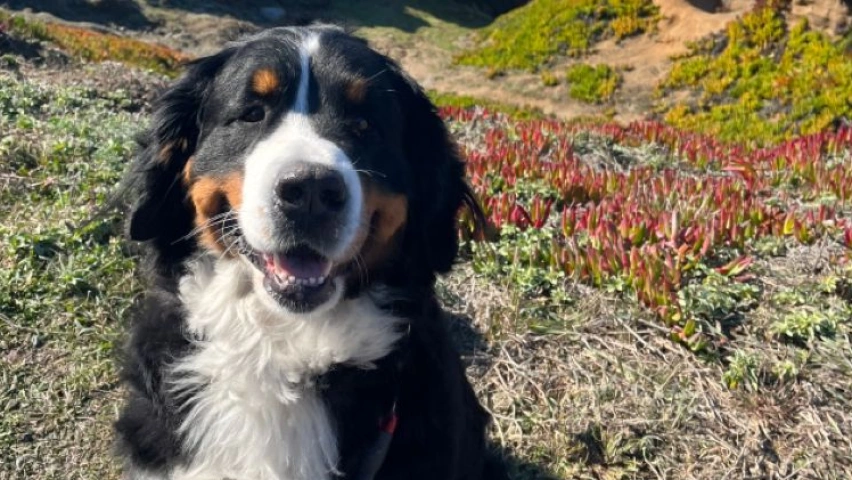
[532, 35]
[593, 84]
[766, 84]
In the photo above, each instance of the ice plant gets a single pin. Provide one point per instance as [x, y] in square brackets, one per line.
[649, 226]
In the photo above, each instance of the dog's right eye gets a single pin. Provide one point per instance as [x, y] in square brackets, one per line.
[253, 114]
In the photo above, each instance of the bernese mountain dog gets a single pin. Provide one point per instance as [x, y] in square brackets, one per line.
[296, 195]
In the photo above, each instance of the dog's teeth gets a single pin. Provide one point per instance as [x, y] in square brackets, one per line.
[285, 280]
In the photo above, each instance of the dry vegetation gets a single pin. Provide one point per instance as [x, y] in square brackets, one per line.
[94, 46]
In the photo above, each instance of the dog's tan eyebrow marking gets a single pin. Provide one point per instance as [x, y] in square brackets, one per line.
[356, 90]
[264, 82]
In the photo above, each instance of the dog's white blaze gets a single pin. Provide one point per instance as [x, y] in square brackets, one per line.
[253, 411]
[294, 140]
[309, 47]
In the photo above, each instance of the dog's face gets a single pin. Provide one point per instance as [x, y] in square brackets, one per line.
[308, 155]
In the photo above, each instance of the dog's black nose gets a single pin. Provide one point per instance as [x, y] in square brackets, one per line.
[311, 189]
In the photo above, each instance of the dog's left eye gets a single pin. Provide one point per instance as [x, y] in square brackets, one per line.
[253, 114]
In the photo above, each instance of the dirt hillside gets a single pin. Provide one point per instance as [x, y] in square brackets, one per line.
[424, 36]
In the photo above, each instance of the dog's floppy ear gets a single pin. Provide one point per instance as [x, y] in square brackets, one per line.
[158, 210]
[439, 187]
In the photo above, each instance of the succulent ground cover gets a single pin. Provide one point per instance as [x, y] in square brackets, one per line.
[763, 81]
[540, 34]
[648, 210]
[592, 83]
[532, 36]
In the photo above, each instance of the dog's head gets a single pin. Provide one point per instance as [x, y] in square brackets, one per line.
[308, 155]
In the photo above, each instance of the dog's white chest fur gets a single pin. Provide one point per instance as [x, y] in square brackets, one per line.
[253, 413]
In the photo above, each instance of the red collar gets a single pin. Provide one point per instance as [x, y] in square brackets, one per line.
[375, 455]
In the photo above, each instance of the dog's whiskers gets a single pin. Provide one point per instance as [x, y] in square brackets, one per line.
[233, 241]
[371, 78]
[369, 173]
[213, 221]
[363, 272]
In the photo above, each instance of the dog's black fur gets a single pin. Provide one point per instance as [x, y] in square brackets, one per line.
[441, 432]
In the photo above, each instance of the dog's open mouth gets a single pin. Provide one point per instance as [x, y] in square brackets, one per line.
[298, 267]
[299, 278]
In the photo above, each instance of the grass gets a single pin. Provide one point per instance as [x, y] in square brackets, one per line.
[652, 303]
[532, 36]
[65, 286]
[760, 81]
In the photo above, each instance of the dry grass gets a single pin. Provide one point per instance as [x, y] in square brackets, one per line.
[610, 397]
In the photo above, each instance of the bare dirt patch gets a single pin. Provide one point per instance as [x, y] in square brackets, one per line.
[830, 16]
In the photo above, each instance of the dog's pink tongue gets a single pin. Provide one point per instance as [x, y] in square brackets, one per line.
[298, 266]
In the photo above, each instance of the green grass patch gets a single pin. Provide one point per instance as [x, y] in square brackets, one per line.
[533, 35]
[760, 82]
[592, 84]
[95, 46]
[66, 282]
